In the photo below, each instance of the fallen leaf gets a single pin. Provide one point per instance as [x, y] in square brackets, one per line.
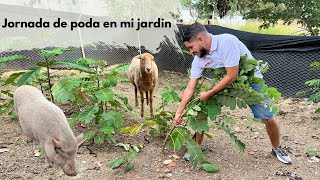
[172, 164]
[251, 152]
[176, 156]
[4, 150]
[167, 161]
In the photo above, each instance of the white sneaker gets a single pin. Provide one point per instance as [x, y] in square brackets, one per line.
[281, 155]
[186, 156]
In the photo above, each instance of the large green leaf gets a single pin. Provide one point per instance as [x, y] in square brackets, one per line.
[104, 95]
[109, 82]
[107, 130]
[170, 96]
[315, 98]
[116, 163]
[76, 66]
[89, 135]
[235, 139]
[88, 113]
[273, 93]
[28, 77]
[177, 138]
[53, 53]
[63, 92]
[210, 168]
[212, 109]
[13, 77]
[12, 58]
[113, 119]
[199, 125]
[47, 64]
[196, 154]
[99, 139]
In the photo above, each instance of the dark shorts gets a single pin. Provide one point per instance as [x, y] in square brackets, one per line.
[260, 111]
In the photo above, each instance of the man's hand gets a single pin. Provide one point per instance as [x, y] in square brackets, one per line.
[204, 96]
[177, 119]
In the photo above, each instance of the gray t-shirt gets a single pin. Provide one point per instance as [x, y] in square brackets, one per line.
[225, 51]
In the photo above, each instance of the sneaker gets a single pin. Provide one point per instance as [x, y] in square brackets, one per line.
[186, 156]
[281, 155]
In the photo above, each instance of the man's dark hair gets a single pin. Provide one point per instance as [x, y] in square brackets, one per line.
[192, 31]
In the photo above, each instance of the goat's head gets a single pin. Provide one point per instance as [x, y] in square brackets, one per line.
[146, 60]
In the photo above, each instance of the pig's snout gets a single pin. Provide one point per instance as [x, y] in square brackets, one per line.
[69, 170]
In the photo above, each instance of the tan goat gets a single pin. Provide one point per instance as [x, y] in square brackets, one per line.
[143, 74]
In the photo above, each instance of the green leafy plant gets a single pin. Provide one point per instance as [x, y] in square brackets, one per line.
[239, 94]
[6, 95]
[90, 93]
[126, 157]
[312, 151]
[314, 90]
[158, 124]
[40, 74]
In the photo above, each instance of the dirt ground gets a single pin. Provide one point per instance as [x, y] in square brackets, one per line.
[299, 131]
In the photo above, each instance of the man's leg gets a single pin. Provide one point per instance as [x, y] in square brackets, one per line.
[199, 136]
[273, 131]
[274, 135]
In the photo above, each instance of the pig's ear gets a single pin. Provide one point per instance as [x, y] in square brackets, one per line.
[56, 142]
[79, 139]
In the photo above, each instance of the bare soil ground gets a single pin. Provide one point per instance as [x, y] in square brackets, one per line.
[299, 131]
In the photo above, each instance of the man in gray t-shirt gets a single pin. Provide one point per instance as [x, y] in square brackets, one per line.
[216, 51]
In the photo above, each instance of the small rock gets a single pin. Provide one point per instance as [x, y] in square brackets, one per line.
[84, 162]
[237, 130]
[314, 159]
[98, 164]
[161, 176]
[169, 175]
[167, 170]
[158, 170]
[146, 165]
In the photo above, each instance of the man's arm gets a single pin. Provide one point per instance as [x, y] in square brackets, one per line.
[186, 97]
[232, 76]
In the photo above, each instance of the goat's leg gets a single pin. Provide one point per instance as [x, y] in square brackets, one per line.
[142, 99]
[135, 94]
[150, 104]
[147, 92]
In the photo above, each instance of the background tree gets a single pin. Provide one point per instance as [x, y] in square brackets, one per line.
[305, 12]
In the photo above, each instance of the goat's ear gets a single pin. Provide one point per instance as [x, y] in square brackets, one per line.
[138, 57]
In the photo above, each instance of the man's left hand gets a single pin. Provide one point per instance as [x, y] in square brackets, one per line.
[204, 96]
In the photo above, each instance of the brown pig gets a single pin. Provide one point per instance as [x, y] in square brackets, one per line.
[43, 121]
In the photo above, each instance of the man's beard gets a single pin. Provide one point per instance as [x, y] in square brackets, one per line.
[203, 52]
